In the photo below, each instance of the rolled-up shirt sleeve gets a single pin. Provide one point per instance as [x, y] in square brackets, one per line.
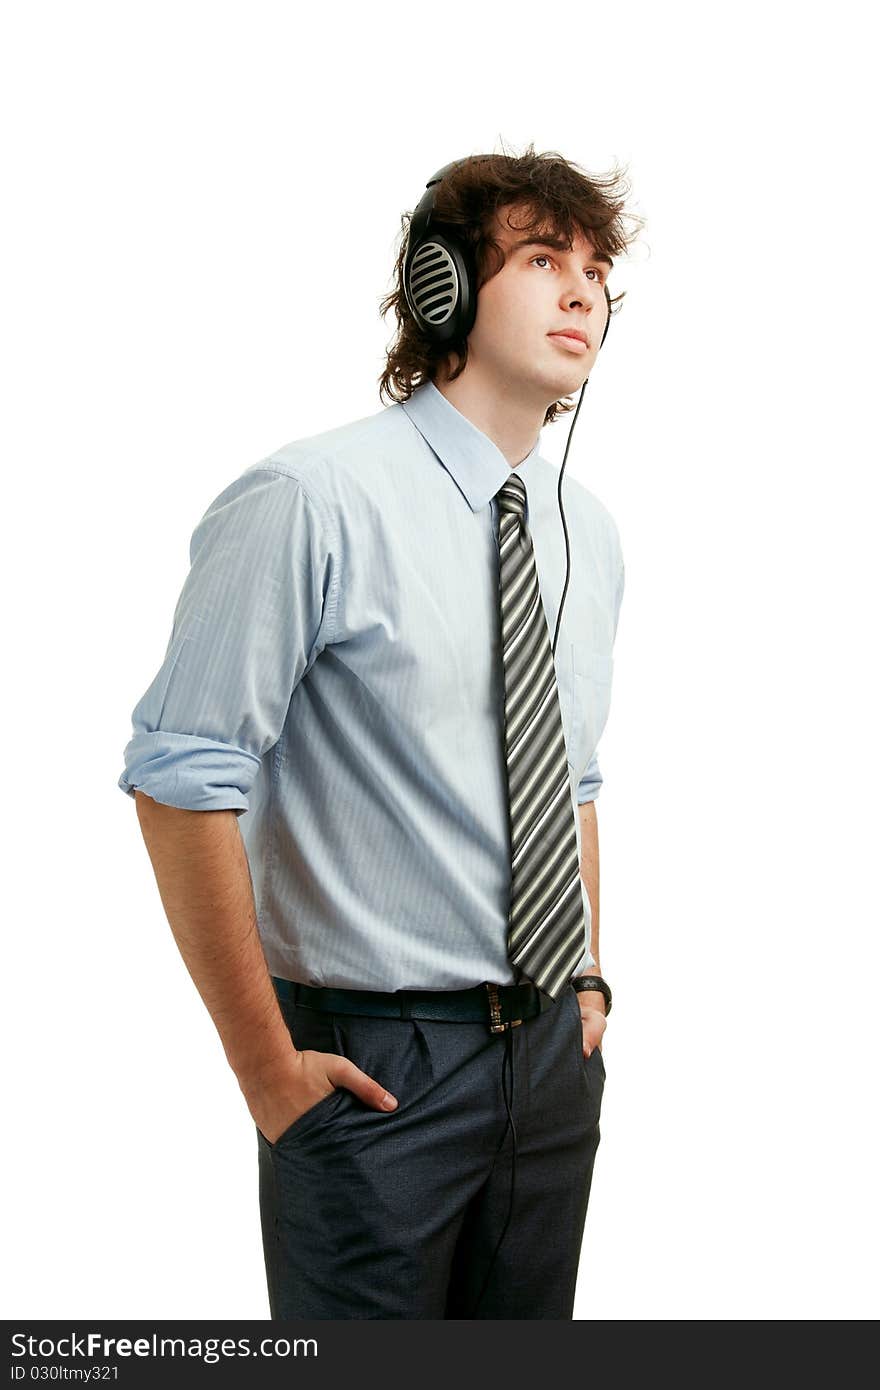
[588, 786]
[253, 615]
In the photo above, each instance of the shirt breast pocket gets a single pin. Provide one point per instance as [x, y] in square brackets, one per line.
[591, 673]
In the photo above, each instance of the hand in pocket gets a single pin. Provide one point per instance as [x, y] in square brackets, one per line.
[307, 1078]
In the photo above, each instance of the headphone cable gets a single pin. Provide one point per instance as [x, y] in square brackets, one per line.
[562, 516]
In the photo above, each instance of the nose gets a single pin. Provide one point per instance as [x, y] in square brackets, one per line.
[589, 296]
[592, 302]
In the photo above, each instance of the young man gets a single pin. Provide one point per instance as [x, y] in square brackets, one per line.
[367, 787]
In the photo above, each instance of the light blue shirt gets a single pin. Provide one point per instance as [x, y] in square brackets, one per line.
[334, 676]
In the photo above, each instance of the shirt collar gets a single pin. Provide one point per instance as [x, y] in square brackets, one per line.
[476, 464]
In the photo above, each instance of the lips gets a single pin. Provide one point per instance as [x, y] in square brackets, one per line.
[569, 342]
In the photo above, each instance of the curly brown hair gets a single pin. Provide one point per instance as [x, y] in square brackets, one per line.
[563, 201]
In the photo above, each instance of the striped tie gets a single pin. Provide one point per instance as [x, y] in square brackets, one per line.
[546, 932]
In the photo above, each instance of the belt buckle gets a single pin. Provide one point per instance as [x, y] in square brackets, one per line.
[496, 1026]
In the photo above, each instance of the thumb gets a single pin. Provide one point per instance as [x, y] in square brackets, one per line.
[343, 1072]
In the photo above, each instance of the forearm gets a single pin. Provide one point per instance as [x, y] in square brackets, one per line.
[590, 875]
[204, 882]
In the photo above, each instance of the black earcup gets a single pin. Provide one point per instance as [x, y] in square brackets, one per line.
[439, 274]
[439, 281]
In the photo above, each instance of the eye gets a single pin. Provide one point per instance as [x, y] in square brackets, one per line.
[599, 274]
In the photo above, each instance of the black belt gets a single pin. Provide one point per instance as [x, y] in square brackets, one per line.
[499, 1006]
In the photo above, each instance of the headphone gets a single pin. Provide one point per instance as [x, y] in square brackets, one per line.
[440, 285]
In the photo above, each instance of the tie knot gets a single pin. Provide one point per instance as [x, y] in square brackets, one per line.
[512, 496]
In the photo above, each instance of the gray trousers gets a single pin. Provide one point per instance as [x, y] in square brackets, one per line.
[367, 1214]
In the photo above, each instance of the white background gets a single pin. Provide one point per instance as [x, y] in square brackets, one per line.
[202, 210]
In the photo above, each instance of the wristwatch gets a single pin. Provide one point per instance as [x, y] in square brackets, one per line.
[595, 982]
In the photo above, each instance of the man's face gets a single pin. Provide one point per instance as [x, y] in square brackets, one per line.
[541, 291]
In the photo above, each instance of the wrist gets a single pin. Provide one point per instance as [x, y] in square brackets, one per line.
[592, 1001]
[266, 1077]
[598, 990]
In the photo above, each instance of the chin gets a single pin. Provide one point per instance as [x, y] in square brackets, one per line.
[560, 389]
[544, 385]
